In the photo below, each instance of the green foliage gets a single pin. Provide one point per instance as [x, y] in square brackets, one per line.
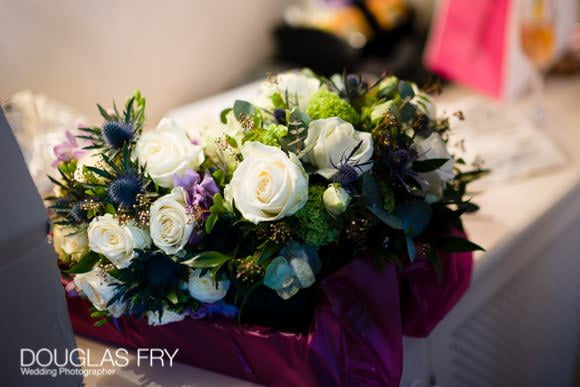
[298, 122]
[428, 165]
[316, 227]
[85, 264]
[326, 104]
[270, 135]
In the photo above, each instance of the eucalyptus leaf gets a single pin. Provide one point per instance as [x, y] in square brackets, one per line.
[389, 219]
[415, 216]
[278, 273]
[243, 109]
[405, 90]
[407, 112]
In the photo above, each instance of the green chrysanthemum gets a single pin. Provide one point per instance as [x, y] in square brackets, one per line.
[316, 227]
[326, 104]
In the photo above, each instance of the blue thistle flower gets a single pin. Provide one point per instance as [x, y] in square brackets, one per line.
[280, 116]
[124, 190]
[346, 175]
[117, 133]
[161, 271]
[77, 214]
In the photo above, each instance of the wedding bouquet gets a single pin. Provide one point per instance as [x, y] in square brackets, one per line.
[246, 220]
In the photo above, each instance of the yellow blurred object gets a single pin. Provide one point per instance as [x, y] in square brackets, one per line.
[389, 13]
[538, 41]
[346, 21]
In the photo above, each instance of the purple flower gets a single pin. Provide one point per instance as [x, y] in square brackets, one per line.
[219, 308]
[68, 150]
[199, 191]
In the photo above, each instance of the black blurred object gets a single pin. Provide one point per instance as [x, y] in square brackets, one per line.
[398, 50]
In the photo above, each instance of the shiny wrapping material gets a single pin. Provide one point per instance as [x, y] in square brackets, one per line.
[355, 338]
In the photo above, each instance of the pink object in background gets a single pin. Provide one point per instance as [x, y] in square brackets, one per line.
[478, 43]
[468, 43]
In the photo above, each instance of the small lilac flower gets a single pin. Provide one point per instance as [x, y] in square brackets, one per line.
[71, 290]
[68, 150]
[199, 192]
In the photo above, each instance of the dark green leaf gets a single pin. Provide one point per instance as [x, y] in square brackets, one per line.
[457, 245]
[223, 115]
[428, 165]
[268, 251]
[210, 222]
[85, 264]
[104, 113]
[209, 259]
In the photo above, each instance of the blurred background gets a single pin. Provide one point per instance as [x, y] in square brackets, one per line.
[174, 51]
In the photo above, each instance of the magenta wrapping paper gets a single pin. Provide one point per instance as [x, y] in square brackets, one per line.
[355, 338]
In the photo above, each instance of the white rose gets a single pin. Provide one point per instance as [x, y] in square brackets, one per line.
[116, 241]
[168, 316]
[169, 223]
[434, 182]
[335, 199]
[97, 285]
[331, 140]
[70, 242]
[205, 289]
[93, 159]
[268, 184]
[300, 88]
[166, 151]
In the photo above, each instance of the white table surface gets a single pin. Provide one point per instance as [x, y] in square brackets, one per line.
[506, 210]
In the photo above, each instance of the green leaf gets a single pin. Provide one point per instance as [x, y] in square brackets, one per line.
[99, 313]
[210, 222]
[110, 209]
[231, 141]
[428, 165]
[172, 296]
[85, 264]
[270, 248]
[208, 260]
[104, 113]
[405, 90]
[243, 109]
[218, 207]
[278, 101]
[457, 245]
[223, 115]
[100, 323]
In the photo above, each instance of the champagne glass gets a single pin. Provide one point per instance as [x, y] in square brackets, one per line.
[537, 35]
